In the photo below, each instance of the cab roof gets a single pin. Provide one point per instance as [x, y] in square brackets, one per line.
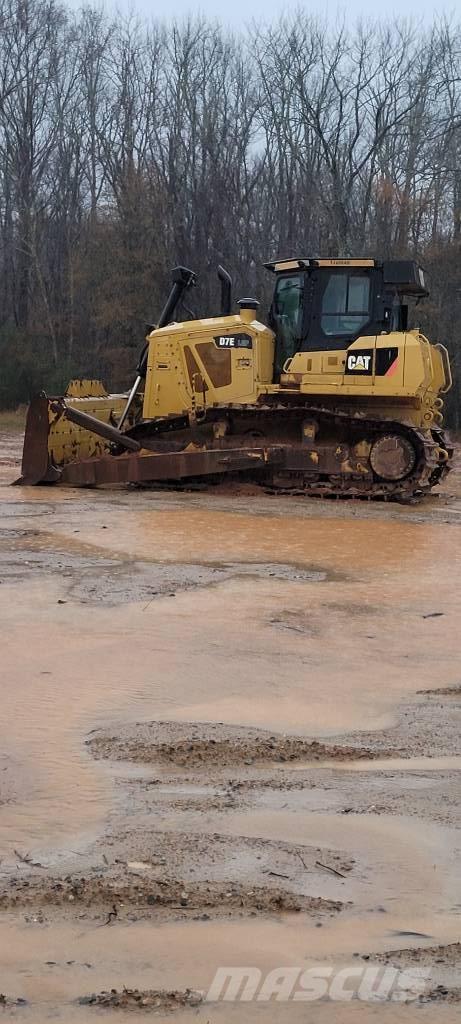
[304, 262]
[406, 276]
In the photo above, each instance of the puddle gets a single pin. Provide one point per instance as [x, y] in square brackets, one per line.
[24, 510]
[313, 624]
[388, 764]
[187, 790]
[298, 655]
[412, 865]
[187, 955]
[413, 764]
[217, 537]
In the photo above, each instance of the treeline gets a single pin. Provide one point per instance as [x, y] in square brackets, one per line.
[126, 148]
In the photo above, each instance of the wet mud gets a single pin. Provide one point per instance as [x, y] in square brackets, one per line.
[444, 691]
[449, 956]
[157, 1001]
[200, 744]
[113, 898]
[442, 961]
[231, 734]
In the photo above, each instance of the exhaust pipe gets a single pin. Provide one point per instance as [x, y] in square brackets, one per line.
[226, 291]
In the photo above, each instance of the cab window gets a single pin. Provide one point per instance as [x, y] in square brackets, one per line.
[345, 304]
[287, 315]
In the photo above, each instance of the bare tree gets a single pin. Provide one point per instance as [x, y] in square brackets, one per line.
[125, 148]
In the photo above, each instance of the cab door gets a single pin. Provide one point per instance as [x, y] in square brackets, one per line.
[287, 318]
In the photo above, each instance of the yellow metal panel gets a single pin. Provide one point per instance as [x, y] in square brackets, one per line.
[392, 382]
[301, 262]
[344, 263]
[169, 387]
[288, 265]
[67, 441]
[83, 388]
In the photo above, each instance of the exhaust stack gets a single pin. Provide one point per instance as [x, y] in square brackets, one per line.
[226, 291]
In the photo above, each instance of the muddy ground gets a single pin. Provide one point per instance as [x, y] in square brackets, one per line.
[231, 737]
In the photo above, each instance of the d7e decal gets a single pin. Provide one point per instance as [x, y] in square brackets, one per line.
[233, 341]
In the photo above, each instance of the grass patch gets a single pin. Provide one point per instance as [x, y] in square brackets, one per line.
[13, 419]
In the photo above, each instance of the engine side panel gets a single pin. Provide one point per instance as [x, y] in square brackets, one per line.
[200, 363]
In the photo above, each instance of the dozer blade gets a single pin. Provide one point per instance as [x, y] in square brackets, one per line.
[52, 440]
[36, 465]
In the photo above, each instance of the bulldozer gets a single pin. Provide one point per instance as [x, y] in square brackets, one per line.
[333, 396]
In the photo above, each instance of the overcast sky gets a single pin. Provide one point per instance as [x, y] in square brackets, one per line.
[236, 12]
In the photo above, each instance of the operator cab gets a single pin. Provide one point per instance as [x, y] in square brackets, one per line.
[325, 305]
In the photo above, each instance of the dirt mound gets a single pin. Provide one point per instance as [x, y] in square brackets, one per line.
[156, 1000]
[443, 691]
[118, 897]
[449, 956]
[7, 1003]
[214, 857]
[145, 874]
[195, 745]
[441, 994]
[442, 964]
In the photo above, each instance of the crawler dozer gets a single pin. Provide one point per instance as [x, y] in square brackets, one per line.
[334, 396]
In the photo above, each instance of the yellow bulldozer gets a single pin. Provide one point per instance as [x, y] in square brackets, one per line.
[335, 396]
